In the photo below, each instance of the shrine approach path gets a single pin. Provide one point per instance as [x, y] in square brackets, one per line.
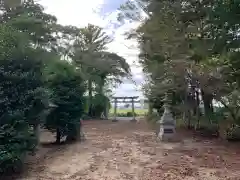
[131, 151]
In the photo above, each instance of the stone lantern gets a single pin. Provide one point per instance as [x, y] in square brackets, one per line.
[167, 124]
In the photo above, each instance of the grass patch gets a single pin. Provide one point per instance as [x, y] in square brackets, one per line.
[139, 112]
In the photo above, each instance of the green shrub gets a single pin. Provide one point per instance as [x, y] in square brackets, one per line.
[16, 140]
[153, 117]
[233, 133]
[21, 98]
[99, 105]
[127, 114]
[67, 94]
[130, 114]
[121, 115]
[210, 130]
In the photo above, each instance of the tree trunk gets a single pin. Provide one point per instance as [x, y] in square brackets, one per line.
[78, 132]
[187, 102]
[197, 110]
[58, 136]
[90, 98]
[100, 91]
[74, 134]
[150, 108]
[82, 135]
[189, 119]
[185, 111]
[105, 113]
[101, 85]
[207, 101]
[36, 129]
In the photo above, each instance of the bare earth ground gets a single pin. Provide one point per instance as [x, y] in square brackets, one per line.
[130, 151]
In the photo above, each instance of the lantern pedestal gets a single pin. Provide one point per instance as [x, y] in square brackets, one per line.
[167, 125]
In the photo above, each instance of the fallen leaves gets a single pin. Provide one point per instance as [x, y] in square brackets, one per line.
[117, 151]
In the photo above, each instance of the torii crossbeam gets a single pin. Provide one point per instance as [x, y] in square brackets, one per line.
[125, 99]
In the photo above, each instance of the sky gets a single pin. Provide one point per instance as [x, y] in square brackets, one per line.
[102, 13]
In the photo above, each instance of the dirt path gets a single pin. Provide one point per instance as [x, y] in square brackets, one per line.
[129, 151]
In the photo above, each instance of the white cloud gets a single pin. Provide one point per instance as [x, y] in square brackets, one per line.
[74, 12]
[129, 50]
[77, 13]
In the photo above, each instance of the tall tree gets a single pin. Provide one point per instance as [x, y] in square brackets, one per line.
[90, 54]
[190, 40]
[23, 95]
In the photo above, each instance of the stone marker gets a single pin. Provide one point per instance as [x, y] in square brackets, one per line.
[167, 124]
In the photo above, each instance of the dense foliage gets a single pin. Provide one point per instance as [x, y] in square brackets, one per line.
[67, 95]
[90, 52]
[196, 44]
[46, 71]
[22, 97]
[100, 104]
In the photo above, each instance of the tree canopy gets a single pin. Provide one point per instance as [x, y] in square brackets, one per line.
[196, 44]
[46, 70]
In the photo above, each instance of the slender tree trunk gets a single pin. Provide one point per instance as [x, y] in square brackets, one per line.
[78, 132]
[207, 101]
[197, 108]
[173, 103]
[188, 110]
[150, 108]
[189, 119]
[185, 111]
[90, 96]
[58, 136]
[101, 86]
[36, 129]
[105, 113]
[74, 135]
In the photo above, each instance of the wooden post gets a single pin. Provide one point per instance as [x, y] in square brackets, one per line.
[133, 112]
[115, 109]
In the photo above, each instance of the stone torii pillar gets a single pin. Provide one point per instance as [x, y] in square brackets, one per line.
[133, 110]
[115, 109]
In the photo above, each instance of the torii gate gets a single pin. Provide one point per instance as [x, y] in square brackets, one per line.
[125, 99]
